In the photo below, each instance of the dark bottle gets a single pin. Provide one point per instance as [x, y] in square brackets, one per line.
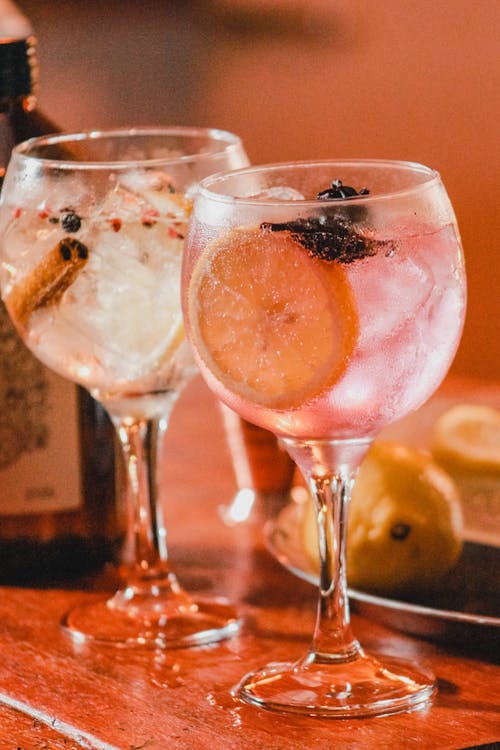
[59, 518]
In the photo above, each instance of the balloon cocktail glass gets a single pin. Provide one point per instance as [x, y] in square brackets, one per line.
[92, 228]
[324, 300]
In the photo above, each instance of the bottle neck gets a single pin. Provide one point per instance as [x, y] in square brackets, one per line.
[18, 67]
[16, 124]
[19, 117]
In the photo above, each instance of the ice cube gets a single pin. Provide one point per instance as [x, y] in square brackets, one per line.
[149, 200]
[123, 315]
[389, 291]
[139, 182]
[278, 193]
[122, 203]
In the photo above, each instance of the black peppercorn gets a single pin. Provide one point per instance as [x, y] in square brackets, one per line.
[71, 222]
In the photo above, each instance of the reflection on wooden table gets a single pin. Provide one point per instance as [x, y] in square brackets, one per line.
[58, 696]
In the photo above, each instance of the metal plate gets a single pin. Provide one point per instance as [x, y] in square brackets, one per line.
[463, 610]
[465, 607]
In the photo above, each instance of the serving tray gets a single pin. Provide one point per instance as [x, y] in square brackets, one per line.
[463, 609]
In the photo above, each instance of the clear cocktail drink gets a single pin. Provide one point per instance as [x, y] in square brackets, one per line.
[92, 227]
[107, 316]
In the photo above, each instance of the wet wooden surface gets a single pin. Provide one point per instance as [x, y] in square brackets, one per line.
[55, 695]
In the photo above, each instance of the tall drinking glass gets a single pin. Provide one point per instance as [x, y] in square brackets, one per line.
[323, 301]
[92, 229]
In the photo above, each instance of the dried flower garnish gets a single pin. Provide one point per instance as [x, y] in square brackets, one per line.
[329, 239]
[339, 191]
[335, 235]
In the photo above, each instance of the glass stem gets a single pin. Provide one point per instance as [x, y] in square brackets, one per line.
[146, 551]
[141, 443]
[332, 638]
[329, 468]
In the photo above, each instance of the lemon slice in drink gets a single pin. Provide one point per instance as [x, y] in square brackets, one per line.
[467, 438]
[404, 524]
[169, 204]
[273, 324]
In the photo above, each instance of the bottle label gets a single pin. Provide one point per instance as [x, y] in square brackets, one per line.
[39, 444]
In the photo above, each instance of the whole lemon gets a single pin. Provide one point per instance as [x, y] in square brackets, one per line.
[404, 523]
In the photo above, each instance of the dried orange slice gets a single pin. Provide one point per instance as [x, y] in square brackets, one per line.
[273, 324]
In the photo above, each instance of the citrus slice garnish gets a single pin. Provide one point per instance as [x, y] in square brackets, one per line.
[273, 324]
[168, 203]
[405, 522]
[467, 438]
[177, 336]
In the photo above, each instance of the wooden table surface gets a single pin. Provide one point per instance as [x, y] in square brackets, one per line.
[58, 696]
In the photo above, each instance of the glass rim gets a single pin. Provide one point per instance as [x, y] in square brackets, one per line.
[229, 141]
[204, 186]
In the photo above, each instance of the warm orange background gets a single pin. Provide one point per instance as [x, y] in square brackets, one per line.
[414, 80]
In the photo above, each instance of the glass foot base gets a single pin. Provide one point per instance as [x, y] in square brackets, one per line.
[363, 687]
[196, 624]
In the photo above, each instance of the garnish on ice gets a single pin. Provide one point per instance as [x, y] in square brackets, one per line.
[335, 234]
[48, 281]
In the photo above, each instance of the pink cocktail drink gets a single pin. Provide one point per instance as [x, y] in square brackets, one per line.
[325, 300]
[406, 304]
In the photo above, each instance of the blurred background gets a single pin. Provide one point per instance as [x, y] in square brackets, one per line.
[415, 80]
